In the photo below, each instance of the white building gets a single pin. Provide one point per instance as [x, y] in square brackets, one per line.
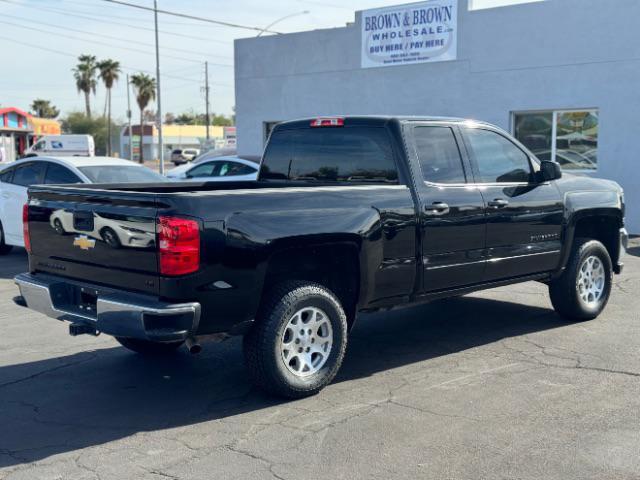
[562, 75]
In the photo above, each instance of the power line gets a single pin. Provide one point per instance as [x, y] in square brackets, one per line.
[129, 18]
[190, 17]
[96, 42]
[109, 37]
[66, 54]
[102, 20]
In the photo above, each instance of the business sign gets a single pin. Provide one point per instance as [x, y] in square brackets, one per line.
[406, 34]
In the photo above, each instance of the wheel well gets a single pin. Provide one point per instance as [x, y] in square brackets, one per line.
[602, 228]
[334, 266]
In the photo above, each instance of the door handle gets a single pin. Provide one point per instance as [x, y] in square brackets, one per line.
[6, 195]
[437, 208]
[498, 203]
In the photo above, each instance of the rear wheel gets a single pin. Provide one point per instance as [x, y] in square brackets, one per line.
[299, 341]
[4, 248]
[146, 347]
[583, 289]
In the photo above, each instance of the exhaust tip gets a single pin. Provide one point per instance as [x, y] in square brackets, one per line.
[193, 346]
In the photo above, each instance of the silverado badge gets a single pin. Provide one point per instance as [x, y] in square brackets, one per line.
[84, 242]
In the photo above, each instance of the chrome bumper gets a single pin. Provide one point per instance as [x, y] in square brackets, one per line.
[109, 311]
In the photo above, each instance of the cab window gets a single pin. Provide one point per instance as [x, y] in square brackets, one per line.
[498, 160]
[57, 174]
[29, 174]
[439, 155]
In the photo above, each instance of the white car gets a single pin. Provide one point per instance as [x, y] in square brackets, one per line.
[218, 169]
[17, 176]
[117, 231]
[180, 156]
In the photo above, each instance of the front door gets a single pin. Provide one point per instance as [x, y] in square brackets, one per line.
[452, 210]
[524, 215]
[15, 196]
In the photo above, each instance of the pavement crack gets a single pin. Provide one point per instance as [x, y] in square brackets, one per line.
[48, 370]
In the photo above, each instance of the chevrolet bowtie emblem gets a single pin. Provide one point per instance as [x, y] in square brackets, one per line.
[84, 242]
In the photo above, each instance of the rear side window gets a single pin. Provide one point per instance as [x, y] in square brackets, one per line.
[233, 169]
[210, 169]
[57, 174]
[348, 154]
[29, 174]
[439, 155]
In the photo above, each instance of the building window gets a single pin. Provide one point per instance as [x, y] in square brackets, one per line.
[570, 137]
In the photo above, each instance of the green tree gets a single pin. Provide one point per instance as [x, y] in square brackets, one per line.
[109, 74]
[85, 77]
[79, 123]
[145, 88]
[43, 109]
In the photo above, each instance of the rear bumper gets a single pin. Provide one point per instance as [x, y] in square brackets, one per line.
[110, 311]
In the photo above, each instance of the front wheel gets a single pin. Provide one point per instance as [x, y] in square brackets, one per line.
[146, 347]
[583, 289]
[299, 341]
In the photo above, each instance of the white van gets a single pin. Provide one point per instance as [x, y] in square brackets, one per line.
[63, 146]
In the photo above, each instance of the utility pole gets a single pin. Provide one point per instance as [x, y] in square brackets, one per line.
[129, 117]
[206, 94]
[159, 96]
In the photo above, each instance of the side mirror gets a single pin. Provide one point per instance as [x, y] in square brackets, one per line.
[550, 171]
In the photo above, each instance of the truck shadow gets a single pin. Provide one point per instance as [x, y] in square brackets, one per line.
[13, 263]
[87, 399]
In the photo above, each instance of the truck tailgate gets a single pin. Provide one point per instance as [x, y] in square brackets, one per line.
[95, 236]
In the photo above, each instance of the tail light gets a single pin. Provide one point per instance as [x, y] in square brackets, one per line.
[25, 227]
[328, 122]
[178, 246]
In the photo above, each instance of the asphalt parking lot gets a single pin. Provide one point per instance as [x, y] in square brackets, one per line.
[493, 385]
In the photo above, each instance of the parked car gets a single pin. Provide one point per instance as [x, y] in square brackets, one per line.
[181, 156]
[348, 215]
[218, 169]
[62, 146]
[16, 177]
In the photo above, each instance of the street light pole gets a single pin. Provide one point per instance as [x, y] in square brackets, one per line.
[129, 118]
[159, 96]
[265, 29]
[206, 93]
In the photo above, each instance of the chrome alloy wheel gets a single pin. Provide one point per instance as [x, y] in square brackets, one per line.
[306, 342]
[591, 281]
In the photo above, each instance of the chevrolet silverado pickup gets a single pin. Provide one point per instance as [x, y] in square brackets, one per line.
[349, 214]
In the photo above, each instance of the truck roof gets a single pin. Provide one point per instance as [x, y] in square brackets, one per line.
[85, 161]
[372, 120]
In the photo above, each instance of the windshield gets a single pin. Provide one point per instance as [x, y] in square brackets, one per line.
[121, 174]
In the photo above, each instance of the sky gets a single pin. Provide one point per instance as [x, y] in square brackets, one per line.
[42, 38]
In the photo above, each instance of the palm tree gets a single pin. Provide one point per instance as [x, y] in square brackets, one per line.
[109, 74]
[145, 88]
[85, 76]
[43, 108]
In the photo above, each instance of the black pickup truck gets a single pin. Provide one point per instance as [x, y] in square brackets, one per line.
[348, 215]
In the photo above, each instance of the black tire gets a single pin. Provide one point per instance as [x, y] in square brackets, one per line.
[564, 290]
[110, 237]
[263, 357]
[58, 227]
[4, 248]
[145, 347]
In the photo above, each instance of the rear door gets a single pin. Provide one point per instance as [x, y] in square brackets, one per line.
[95, 236]
[15, 196]
[452, 219]
[524, 215]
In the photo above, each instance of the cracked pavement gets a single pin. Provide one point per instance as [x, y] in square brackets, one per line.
[492, 385]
